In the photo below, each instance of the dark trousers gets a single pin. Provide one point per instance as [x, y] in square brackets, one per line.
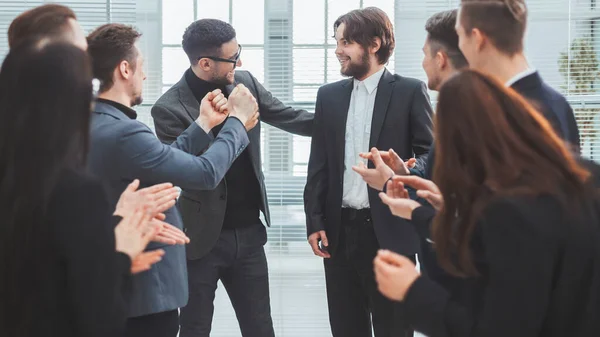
[164, 324]
[238, 260]
[355, 304]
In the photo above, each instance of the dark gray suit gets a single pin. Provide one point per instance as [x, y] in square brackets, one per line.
[234, 256]
[402, 121]
[122, 149]
[176, 109]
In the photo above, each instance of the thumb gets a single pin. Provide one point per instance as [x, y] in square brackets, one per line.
[394, 157]
[324, 239]
[385, 199]
[133, 186]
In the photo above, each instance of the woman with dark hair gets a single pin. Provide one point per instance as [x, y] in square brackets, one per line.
[517, 225]
[62, 260]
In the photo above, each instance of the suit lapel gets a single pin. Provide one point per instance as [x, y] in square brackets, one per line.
[382, 101]
[340, 119]
[187, 99]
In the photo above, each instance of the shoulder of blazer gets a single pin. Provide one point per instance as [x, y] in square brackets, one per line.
[171, 95]
[407, 82]
[339, 85]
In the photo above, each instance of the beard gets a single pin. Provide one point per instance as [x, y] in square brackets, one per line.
[357, 69]
[137, 100]
[220, 80]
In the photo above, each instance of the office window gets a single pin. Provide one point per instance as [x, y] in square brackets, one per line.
[288, 47]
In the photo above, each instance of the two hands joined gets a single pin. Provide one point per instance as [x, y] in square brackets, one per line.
[142, 213]
[215, 108]
[394, 273]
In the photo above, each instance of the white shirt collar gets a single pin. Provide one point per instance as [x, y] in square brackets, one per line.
[372, 81]
[520, 76]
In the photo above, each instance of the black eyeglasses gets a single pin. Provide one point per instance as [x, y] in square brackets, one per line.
[234, 60]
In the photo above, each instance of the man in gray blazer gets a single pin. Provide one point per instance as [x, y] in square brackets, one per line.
[227, 236]
[122, 149]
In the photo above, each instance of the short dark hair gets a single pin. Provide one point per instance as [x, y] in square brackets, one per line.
[364, 25]
[441, 33]
[41, 21]
[108, 46]
[503, 21]
[205, 38]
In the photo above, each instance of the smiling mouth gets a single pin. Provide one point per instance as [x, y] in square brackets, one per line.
[343, 61]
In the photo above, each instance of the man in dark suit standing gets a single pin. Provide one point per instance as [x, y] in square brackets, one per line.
[491, 36]
[227, 236]
[122, 148]
[346, 222]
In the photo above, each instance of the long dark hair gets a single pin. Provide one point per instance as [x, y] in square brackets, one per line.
[492, 143]
[45, 97]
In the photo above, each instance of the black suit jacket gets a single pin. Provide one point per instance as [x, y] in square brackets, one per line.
[82, 294]
[203, 211]
[539, 266]
[401, 120]
[552, 105]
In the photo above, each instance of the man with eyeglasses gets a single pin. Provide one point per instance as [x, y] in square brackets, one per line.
[227, 236]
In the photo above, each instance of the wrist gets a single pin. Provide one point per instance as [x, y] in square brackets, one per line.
[204, 125]
[384, 189]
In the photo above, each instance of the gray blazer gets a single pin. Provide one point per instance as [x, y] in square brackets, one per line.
[203, 211]
[122, 149]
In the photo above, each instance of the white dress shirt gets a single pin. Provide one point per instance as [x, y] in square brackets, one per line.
[520, 76]
[358, 133]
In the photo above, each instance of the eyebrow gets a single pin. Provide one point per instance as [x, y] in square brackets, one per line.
[234, 55]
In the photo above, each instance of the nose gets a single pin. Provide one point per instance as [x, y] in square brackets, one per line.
[239, 63]
[338, 50]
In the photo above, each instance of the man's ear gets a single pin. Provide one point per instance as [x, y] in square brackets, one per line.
[479, 38]
[441, 59]
[124, 70]
[375, 46]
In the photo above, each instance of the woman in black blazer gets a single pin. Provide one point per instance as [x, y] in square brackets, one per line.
[518, 229]
[63, 262]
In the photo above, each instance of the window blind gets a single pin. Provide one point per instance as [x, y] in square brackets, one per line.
[288, 46]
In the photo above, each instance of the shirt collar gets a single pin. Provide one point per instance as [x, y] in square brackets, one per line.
[372, 81]
[129, 112]
[520, 76]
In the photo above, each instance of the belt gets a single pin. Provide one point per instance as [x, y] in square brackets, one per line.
[353, 214]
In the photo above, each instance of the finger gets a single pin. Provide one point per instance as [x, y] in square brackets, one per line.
[164, 192]
[324, 239]
[145, 260]
[376, 157]
[393, 258]
[411, 162]
[157, 188]
[365, 155]
[164, 202]
[392, 190]
[385, 199]
[394, 156]
[163, 206]
[219, 102]
[160, 216]
[234, 92]
[360, 169]
[213, 94]
[133, 186]
[315, 248]
[164, 239]
[414, 182]
[177, 233]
